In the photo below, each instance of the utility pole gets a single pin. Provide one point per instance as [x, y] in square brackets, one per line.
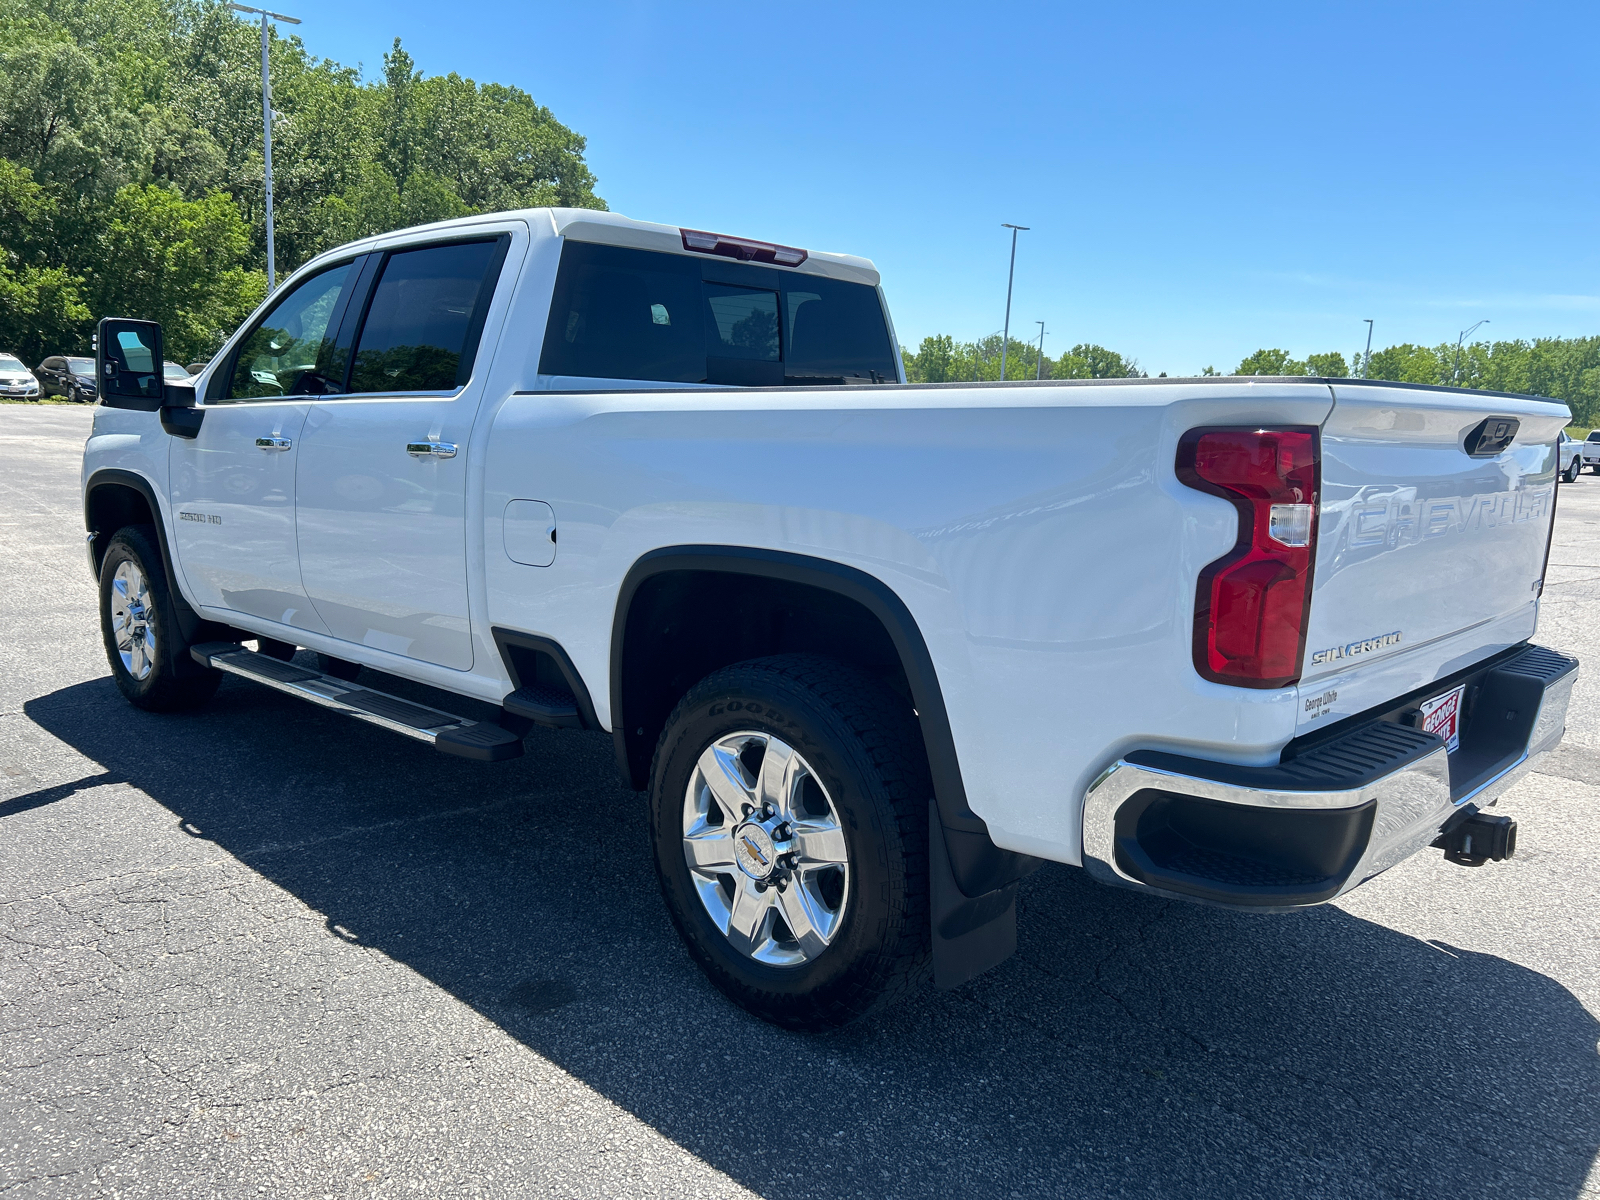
[266, 130]
[1366, 358]
[1455, 366]
[1039, 374]
[1005, 334]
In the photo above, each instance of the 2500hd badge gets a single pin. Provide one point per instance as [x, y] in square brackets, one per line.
[1352, 649]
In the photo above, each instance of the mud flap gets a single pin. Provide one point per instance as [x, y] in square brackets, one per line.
[970, 933]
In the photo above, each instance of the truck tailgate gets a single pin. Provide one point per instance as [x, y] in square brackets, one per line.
[1428, 558]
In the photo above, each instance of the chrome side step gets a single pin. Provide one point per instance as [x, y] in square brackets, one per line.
[443, 731]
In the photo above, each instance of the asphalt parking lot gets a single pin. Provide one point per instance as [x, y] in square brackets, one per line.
[263, 951]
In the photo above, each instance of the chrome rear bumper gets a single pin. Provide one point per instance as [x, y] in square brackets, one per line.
[1314, 826]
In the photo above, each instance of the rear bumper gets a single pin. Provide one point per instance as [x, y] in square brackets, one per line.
[1336, 812]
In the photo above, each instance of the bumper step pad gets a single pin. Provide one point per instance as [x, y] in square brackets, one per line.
[443, 731]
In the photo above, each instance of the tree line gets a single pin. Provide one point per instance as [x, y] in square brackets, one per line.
[1565, 369]
[131, 164]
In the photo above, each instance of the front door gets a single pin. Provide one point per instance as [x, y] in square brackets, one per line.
[381, 486]
[233, 485]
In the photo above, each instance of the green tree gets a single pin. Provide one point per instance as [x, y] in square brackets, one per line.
[1103, 364]
[180, 262]
[1407, 363]
[1271, 362]
[1330, 365]
[934, 361]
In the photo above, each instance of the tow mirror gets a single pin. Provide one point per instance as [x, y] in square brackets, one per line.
[127, 364]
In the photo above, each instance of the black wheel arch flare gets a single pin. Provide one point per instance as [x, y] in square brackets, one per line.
[978, 865]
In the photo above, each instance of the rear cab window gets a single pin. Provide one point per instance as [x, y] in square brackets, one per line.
[623, 313]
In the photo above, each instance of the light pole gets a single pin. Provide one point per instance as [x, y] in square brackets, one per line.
[266, 129]
[1039, 374]
[1005, 334]
[1367, 357]
[1456, 365]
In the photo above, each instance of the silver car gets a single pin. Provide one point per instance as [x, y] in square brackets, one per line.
[16, 381]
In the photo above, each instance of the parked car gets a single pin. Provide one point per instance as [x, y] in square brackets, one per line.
[1591, 451]
[68, 376]
[1571, 457]
[16, 381]
[171, 372]
[874, 649]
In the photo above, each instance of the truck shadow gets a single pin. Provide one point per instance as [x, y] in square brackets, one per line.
[1133, 1048]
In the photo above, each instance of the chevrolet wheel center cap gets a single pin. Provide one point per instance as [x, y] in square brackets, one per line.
[752, 847]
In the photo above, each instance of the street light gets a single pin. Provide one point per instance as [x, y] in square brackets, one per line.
[1454, 367]
[1005, 335]
[1367, 357]
[1039, 374]
[266, 128]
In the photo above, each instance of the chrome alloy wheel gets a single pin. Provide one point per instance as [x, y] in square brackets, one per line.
[765, 849]
[130, 620]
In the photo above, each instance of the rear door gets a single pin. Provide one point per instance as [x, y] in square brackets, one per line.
[382, 482]
[1434, 519]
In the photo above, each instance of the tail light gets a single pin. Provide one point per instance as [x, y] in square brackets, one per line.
[1251, 604]
[744, 249]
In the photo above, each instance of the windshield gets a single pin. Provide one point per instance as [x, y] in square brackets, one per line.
[172, 370]
[81, 366]
[9, 362]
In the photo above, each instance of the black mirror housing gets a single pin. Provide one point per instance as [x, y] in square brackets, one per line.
[128, 364]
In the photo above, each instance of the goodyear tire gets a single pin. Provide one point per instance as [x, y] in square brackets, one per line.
[789, 805]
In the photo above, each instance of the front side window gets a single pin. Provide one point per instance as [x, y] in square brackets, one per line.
[291, 352]
[421, 329]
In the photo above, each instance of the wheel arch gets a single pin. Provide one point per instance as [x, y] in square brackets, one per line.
[113, 498]
[662, 633]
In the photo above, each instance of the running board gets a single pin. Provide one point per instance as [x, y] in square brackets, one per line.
[443, 731]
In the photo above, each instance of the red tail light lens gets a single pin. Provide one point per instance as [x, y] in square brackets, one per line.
[1251, 604]
[744, 249]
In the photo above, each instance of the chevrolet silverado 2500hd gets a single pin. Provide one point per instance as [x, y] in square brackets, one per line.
[875, 650]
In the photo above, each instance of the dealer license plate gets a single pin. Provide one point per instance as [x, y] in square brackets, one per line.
[1442, 715]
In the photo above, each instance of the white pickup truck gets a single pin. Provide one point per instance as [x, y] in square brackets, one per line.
[874, 649]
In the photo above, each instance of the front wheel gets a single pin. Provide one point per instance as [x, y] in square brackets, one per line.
[1571, 475]
[789, 817]
[148, 653]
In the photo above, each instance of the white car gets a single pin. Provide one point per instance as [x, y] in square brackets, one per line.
[875, 650]
[16, 381]
[1572, 459]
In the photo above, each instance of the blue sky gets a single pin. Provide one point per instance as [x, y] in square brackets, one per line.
[1201, 180]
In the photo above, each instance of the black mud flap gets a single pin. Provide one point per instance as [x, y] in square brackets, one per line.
[970, 933]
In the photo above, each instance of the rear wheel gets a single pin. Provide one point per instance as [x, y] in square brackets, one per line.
[789, 816]
[148, 653]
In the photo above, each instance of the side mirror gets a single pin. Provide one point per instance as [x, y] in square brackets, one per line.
[127, 364]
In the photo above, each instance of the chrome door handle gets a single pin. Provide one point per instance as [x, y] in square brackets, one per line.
[431, 449]
[273, 443]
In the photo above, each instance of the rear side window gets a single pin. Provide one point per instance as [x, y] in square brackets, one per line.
[422, 326]
[619, 313]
